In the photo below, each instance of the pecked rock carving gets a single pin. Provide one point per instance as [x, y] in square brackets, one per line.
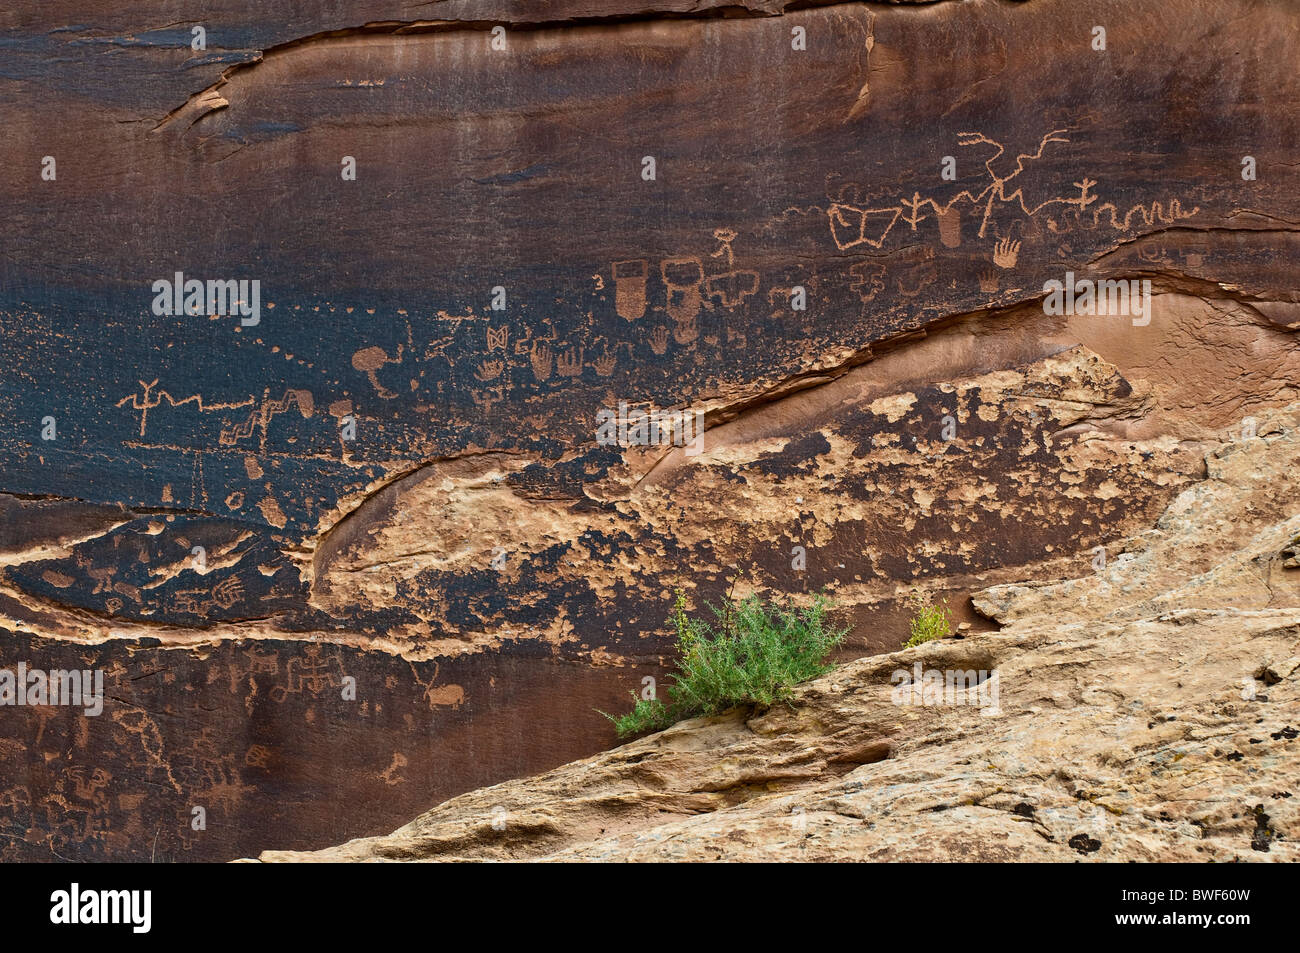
[369, 550]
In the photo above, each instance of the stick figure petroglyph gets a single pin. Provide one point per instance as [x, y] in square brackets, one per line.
[733, 286]
[147, 399]
[854, 222]
[309, 673]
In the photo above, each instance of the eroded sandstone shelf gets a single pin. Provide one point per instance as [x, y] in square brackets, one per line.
[1144, 713]
[482, 569]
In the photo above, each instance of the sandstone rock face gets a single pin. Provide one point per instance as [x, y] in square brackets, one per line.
[365, 546]
[1144, 713]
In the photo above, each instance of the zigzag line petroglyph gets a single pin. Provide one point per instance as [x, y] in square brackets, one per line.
[146, 400]
[260, 418]
[849, 219]
[1150, 213]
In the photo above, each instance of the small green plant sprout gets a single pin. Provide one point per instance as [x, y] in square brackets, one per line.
[753, 652]
[929, 621]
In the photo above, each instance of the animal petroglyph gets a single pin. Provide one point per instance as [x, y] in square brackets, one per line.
[452, 696]
[440, 696]
[105, 581]
[248, 664]
[192, 601]
[438, 348]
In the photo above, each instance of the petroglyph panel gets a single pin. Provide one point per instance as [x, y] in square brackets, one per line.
[393, 475]
[260, 735]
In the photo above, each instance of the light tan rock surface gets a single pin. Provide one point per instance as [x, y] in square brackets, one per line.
[1148, 712]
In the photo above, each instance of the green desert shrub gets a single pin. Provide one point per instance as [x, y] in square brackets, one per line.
[752, 652]
[929, 621]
